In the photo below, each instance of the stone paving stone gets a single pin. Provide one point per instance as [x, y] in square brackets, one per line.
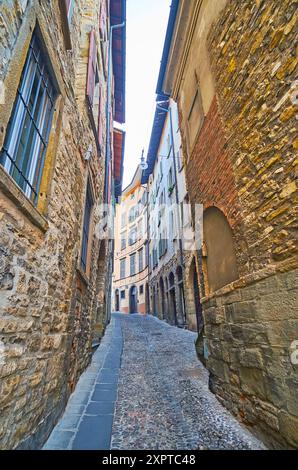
[69, 422]
[92, 420]
[59, 440]
[74, 409]
[108, 376]
[147, 390]
[104, 395]
[100, 408]
[94, 433]
[169, 405]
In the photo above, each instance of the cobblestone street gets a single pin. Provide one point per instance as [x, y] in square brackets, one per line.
[145, 389]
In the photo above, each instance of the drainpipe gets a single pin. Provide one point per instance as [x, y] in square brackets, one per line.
[169, 110]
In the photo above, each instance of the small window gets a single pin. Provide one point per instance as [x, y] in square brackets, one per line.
[123, 219]
[131, 214]
[140, 229]
[179, 159]
[146, 254]
[122, 268]
[132, 264]
[169, 146]
[86, 226]
[123, 240]
[122, 294]
[170, 180]
[132, 237]
[141, 262]
[141, 289]
[27, 135]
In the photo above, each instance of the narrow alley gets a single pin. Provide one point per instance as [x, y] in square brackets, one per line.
[146, 389]
[148, 229]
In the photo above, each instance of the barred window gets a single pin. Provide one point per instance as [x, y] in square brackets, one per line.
[27, 135]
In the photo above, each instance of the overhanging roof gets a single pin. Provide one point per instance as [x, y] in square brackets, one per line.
[118, 16]
[119, 144]
[167, 46]
[157, 128]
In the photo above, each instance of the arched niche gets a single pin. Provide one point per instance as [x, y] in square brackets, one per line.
[220, 257]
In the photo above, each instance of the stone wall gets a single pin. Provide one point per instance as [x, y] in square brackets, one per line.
[48, 305]
[243, 162]
[250, 330]
[249, 333]
[254, 63]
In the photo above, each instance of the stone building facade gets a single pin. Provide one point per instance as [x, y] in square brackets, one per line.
[54, 255]
[232, 68]
[130, 276]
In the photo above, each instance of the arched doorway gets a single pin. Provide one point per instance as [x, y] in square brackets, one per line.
[162, 297]
[172, 299]
[181, 312]
[133, 300]
[117, 300]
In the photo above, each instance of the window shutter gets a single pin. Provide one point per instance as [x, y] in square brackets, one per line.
[91, 68]
[103, 20]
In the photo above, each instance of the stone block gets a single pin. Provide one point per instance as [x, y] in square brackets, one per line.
[288, 425]
[243, 312]
[218, 368]
[214, 315]
[251, 358]
[252, 381]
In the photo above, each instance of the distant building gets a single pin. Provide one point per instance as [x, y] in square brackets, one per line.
[60, 159]
[130, 277]
[170, 231]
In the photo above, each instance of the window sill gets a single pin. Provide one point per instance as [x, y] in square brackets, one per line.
[14, 192]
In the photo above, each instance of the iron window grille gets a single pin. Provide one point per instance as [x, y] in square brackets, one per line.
[26, 140]
[86, 226]
[122, 294]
